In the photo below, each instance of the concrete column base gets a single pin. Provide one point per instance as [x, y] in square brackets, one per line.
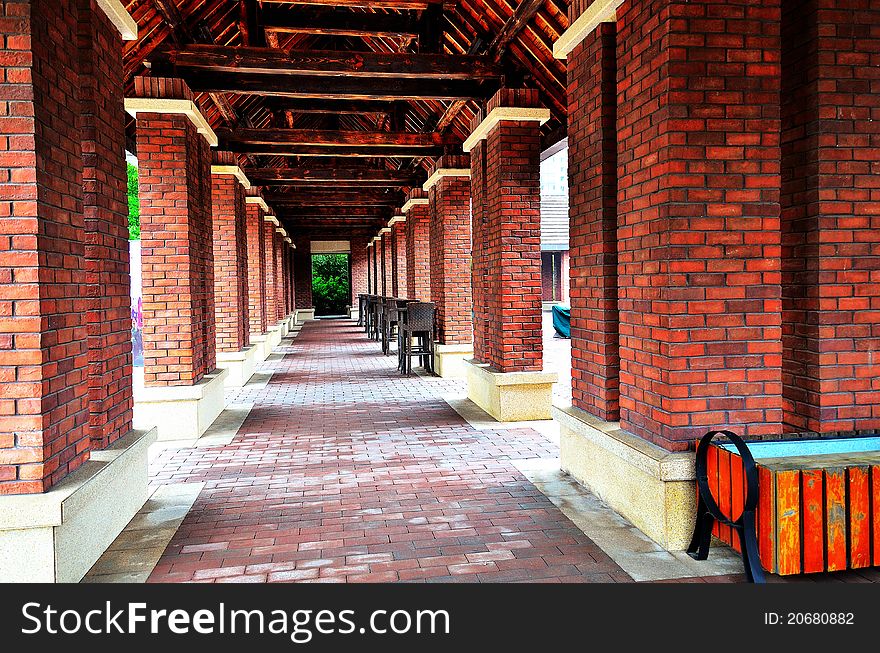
[304, 315]
[56, 536]
[449, 360]
[273, 336]
[653, 488]
[180, 412]
[284, 325]
[261, 342]
[354, 314]
[291, 321]
[510, 396]
[240, 364]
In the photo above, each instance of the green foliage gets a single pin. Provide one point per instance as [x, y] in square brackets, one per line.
[134, 209]
[330, 284]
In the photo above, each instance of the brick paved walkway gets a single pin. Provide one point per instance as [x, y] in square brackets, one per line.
[345, 471]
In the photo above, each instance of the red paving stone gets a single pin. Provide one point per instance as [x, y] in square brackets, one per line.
[346, 471]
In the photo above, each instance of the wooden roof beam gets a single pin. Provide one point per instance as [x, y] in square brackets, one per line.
[322, 87]
[370, 4]
[333, 138]
[333, 175]
[339, 22]
[274, 61]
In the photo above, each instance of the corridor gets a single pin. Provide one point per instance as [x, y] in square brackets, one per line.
[346, 471]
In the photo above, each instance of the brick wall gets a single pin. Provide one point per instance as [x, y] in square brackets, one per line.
[105, 212]
[398, 261]
[176, 241]
[302, 272]
[418, 252]
[512, 239]
[230, 259]
[450, 253]
[359, 269]
[698, 206]
[592, 185]
[280, 277]
[44, 361]
[256, 243]
[375, 266]
[384, 244]
[269, 254]
[479, 237]
[831, 215]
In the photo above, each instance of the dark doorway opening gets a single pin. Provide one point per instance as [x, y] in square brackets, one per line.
[331, 284]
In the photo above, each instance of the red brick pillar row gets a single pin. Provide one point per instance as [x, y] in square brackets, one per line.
[230, 253]
[831, 215]
[302, 272]
[398, 256]
[105, 210]
[448, 189]
[270, 253]
[256, 244]
[508, 247]
[369, 256]
[291, 252]
[418, 251]
[360, 270]
[698, 214]
[377, 288]
[387, 261]
[592, 171]
[280, 275]
[44, 423]
[479, 271]
[176, 237]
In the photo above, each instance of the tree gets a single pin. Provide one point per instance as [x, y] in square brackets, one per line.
[330, 284]
[134, 209]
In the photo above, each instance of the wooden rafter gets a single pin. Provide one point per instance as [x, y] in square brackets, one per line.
[331, 138]
[332, 175]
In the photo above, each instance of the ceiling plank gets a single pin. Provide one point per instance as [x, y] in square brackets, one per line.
[324, 106]
[342, 152]
[339, 22]
[322, 87]
[333, 138]
[338, 175]
[275, 61]
[370, 4]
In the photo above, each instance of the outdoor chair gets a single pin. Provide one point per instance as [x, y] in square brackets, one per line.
[416, 336]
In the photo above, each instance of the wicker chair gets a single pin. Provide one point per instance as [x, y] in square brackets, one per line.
[362, 308]
[390, 318]
[416, 336]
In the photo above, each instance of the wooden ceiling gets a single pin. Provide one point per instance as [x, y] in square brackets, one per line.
[337, 107]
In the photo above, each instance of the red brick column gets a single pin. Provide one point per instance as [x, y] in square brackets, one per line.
[44, 431]
[508, 243]
[479, 238]
[384, 245]
[369, 257]
[831, 215]
[302, 272]
[256, 244]
[398, 256]
[176, 241]
[230, 254]
[592, 170]
[272, 281]
[360, 269]
[280, 276]
[698, 207]
[375, 265]
[450, 246]
[418, 251]
[105, 210]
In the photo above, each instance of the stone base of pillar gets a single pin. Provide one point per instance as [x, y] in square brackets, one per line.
[304, 315]
[510, 396]
[273, 336]
[449, 360]
[291, 321]
[353, 313]
[651, 487]
[180, 412]
[261, 342]
[284, 325]
[240, 364]
[56, 536]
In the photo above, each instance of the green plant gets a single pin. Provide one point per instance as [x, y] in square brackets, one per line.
[330, 284]
[134, 209]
